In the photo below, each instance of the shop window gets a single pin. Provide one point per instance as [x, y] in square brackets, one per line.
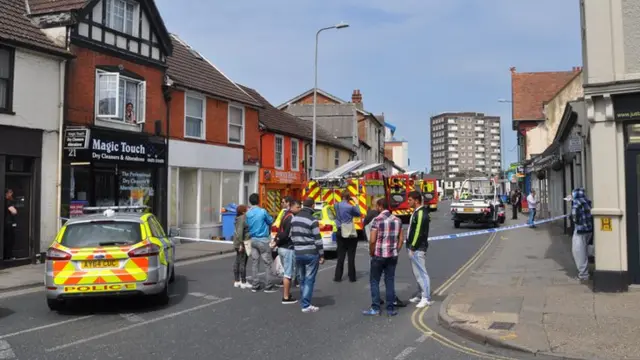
[236, 124]
[173, 198]
[210, 197]
[295, 148]
[194, 116]
[6, 78]
[135, 188]
[279, 152]
[633, 134]
[230, 188]
[79, 187]
[188, 195]
[120, 98]
[104, 183]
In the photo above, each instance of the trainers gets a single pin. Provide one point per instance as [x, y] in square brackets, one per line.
[246, 285]
[256, 288]
[270, 289]
[290, 300]
[237, 284]
[415, 299]
[371, 312]
[399, 303]
[424, 302]
[310, 309]
[392, 313]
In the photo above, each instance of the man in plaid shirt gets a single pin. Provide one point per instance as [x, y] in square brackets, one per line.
[385, 241]
[583, 222]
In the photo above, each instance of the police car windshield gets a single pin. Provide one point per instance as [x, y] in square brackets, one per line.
[101, 233]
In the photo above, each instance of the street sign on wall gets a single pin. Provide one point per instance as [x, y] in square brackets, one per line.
[575, 144]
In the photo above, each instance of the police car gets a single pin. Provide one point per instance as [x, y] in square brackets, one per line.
[112, 253]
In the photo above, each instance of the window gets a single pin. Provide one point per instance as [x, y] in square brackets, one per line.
[6, 79]
[100, 233]
[295, 147]
[194, 116]
[210, 197]
[236, 124]
[189, 195]
[336, 158]
[120, 15]
[279, 152]
[230, 188]
[120, 98]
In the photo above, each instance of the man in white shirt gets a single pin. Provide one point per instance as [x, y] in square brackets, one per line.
[532, 202]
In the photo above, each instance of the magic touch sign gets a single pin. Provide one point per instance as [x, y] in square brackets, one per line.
[106, 146]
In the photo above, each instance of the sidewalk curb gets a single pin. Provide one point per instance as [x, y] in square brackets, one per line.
[35, 284]
[472, 333]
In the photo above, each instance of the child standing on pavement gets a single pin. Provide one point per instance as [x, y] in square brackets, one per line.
[240, 236]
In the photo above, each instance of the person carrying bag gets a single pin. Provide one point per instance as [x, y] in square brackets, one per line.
[347, 237]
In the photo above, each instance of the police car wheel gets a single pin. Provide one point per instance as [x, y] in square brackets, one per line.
[456, 224]
[173, 274]
[55, 305]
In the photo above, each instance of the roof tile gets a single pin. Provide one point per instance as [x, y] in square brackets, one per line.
[530, 90]
[39, 7]
[190, 69]
[16, 27]
[283, 122]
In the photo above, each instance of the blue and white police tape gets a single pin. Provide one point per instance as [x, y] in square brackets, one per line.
[489, 231]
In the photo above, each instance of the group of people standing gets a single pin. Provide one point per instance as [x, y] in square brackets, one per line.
[298, 245]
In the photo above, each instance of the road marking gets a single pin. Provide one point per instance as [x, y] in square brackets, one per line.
[132, 318]
[423, 337]
[5, 350]
[211, 297]
[405, 353]
[133, 326]
[44, 327]
[197, 294]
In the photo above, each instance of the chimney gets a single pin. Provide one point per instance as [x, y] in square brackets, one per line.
[512, 69]
[356, 98]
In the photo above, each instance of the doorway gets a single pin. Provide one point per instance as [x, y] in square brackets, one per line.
[22, 190]
[632, 167]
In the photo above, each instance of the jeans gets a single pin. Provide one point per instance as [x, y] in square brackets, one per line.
[240, 266]
[514, 212]
[346, 248]
[380, 265]
[287, 258]
[8, 240]
[260, 249]
[307, 266]
[419, 267]
[579, 244]
[532, 216]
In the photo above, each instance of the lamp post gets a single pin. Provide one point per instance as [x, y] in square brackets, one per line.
[342, 25]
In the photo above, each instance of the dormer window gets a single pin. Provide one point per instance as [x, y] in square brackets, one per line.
[120, 16]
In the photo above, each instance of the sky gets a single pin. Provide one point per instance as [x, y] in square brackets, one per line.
[411, 59]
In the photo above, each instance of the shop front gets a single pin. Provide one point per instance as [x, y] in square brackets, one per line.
[113, 168]
[276, 184]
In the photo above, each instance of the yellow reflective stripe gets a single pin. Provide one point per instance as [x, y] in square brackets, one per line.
[416, 231]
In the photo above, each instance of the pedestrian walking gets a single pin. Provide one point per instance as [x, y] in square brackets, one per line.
[532, 202]
[286, 251]
[259, 222]
[417, 244]
[583, 231]
[384, 244]
[10, 224]
[307, 244]
[515, 199]
[240, 236]
[347, 237]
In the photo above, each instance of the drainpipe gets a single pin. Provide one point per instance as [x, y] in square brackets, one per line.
[61, 107]
[166, 92]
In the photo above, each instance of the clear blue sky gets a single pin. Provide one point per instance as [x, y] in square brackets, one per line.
[409, 58]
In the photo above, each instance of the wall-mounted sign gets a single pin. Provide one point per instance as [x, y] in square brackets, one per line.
[272, 176]
[119, 147]
[575, 144]
[626, 106]
[76, 138]
[605, 224]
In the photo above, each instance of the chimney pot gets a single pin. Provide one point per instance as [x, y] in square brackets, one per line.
[512, 69]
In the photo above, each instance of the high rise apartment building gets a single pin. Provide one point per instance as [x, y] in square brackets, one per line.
[465, 143]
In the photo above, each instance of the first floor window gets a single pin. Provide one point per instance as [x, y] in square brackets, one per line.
[6, 78]
[279, 155]
[194, 117]
[295, 147]
[120, 98]
[236, 124]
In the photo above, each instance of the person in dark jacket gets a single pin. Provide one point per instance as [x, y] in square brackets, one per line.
[417, 244]
[583, 221]
[516, 197]
[285, 249]
[241, 235]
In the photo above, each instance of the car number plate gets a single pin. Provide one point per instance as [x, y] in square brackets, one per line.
[468, 209]
[99, 264]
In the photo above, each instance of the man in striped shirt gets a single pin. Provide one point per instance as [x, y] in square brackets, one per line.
[384, 243]
[307, 243]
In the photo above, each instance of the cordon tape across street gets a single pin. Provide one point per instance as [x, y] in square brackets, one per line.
[432, 238]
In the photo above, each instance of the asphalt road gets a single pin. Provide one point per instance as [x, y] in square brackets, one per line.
[208, 318]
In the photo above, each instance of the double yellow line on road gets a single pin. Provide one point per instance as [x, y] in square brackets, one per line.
[417, 318]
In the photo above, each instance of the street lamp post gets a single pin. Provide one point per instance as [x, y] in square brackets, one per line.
[342, 25]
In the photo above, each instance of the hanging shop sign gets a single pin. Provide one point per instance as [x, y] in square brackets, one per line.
[76, 138]
[122, 148]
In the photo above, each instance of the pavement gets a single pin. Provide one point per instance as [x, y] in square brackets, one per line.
[526, 289]
[28, 276]
[208, 318]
